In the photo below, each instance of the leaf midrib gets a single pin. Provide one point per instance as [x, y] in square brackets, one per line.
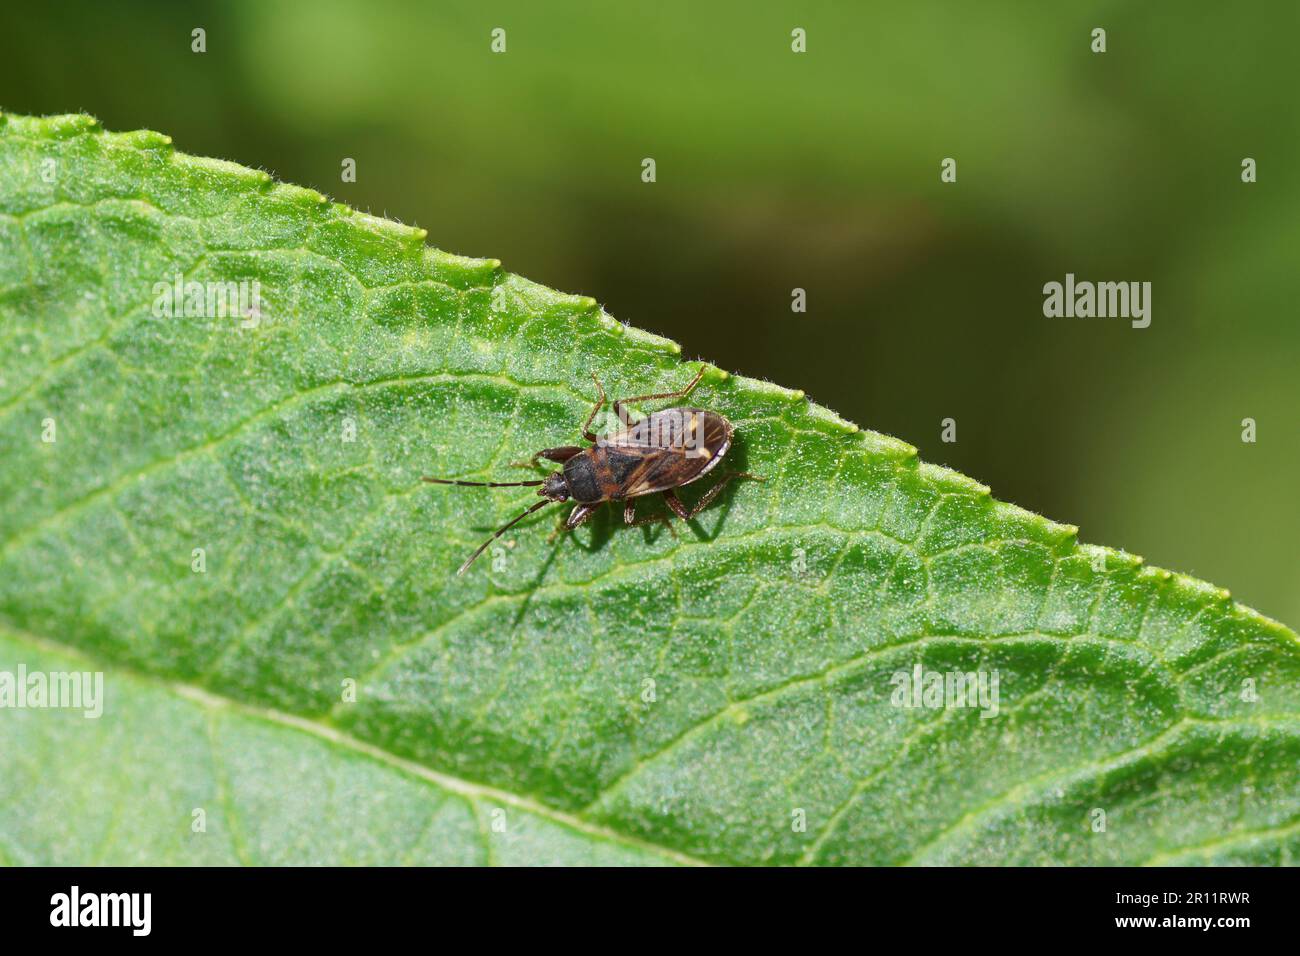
[334, 737]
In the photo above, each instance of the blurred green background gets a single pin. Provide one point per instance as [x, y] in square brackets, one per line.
[778, 170]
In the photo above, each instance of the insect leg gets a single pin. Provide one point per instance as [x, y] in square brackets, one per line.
[680, 393]
[629, 516]
[560, 454]
[577, 516]
[675, 503]
[600, 403]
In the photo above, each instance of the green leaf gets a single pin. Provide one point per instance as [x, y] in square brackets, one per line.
[228, 524]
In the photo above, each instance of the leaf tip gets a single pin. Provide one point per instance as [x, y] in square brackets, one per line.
[820, 413]
[771, 390]
[67, 125]
[884, 446]
[299, 195]
[1263, 622]
[145, 139]
[1116, 556]
[646, 339]
[220, 168]
[951, 481]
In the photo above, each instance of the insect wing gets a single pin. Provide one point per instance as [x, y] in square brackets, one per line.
[669, 449]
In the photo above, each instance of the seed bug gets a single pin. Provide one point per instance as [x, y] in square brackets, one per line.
[656, 454]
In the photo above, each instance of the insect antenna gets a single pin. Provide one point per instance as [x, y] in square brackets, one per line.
[503, 529]
[481, 484]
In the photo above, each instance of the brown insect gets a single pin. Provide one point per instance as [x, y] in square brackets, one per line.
[658, 453]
